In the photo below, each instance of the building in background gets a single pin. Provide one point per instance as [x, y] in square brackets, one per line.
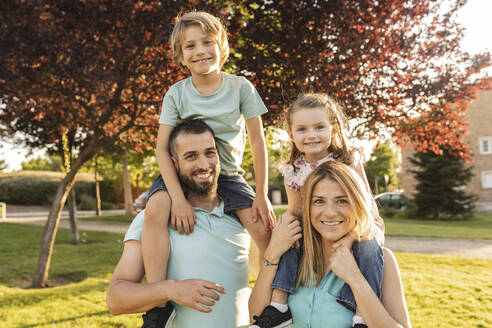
[479, 138]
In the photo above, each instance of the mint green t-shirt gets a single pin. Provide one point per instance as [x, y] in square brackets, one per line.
[225, 112]
[217, 250]
[316, 307]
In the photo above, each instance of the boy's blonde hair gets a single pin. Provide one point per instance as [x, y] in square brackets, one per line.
[339, 145]
[210, 25]
[361, 224]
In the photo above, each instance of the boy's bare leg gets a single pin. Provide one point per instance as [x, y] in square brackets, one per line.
[155, 236]
[260, 236]
[279, 296]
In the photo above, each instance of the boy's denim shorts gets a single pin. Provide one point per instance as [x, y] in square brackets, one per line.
[234, 191]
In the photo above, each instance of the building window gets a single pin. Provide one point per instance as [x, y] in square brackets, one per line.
[486, 179]
[485, 145]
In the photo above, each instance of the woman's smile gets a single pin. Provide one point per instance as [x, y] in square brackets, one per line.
[330, 210]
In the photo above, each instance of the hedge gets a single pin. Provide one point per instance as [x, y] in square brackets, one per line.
[39, 187]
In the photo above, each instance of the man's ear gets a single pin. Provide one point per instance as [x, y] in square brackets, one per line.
[175, 162]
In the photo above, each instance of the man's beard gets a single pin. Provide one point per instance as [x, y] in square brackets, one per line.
[202, 188]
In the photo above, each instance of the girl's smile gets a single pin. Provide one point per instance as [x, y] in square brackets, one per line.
[311, 131]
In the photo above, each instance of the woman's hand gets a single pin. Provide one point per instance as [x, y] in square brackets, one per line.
[343, 264]
[285, 233]
[346, 241]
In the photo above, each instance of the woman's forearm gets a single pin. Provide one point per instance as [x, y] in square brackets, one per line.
[262, 291]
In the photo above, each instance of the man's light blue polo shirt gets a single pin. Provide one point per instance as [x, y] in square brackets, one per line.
[217, 251]
[316, 307]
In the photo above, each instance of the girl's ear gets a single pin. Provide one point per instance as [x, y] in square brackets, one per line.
[290, 134]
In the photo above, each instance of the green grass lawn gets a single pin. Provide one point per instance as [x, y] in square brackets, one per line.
[110, 218]
[441, 291]
[480, 227]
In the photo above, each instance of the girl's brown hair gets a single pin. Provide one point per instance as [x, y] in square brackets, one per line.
[210, 25]
[338, 146]
[361, 224]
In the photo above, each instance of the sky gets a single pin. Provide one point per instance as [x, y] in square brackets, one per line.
[475, 16]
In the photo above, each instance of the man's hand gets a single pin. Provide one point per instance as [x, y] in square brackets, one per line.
[262, 208]
[195, 293]
[182, 216]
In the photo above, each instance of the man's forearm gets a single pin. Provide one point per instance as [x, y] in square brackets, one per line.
[134, 297]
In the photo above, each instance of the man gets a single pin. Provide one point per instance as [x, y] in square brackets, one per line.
[208, 269]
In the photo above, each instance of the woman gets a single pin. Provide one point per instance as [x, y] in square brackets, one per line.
[335, 203]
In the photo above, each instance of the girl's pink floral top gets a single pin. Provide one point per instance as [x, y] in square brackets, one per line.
[294, 179]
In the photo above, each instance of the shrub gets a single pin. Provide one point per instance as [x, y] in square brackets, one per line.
[39, 187]
[87, 203]
[388, 212]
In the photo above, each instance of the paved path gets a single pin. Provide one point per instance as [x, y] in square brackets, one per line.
[460, 247]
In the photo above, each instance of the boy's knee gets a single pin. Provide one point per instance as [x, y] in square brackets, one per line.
[158, 207]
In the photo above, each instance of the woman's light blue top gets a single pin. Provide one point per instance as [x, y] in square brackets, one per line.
[316, 307]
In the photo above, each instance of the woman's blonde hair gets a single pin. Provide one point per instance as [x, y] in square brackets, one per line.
[338, 147]
[361, 224]
[209, 24]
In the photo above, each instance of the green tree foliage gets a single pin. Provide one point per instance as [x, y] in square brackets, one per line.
[394, 65]
[440, 186]
[43, 163]
[3, 165]
[277, 150]
[383, 162]
[94, 71]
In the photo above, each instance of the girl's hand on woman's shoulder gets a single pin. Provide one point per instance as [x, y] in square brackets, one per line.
[285, 233]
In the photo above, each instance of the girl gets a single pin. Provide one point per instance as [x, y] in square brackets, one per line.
[316, 126]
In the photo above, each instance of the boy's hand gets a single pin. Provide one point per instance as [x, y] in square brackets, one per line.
[345, 242]
[262, 208]
[182, 216]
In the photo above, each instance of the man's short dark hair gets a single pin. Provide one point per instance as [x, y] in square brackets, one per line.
[195, 126]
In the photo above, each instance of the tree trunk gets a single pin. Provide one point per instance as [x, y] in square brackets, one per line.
[72, 206]
[127, 187]
[72, 210]
[49, 234]
[98, 193]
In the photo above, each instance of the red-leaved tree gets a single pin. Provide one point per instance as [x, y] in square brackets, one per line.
[395, 65]
[95, 70]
